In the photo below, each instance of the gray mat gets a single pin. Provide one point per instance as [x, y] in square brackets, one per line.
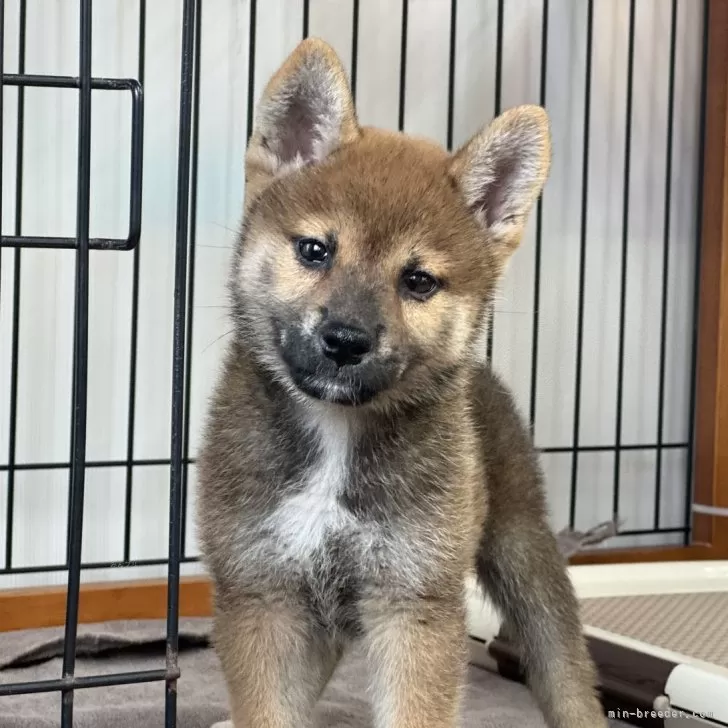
[492, 702]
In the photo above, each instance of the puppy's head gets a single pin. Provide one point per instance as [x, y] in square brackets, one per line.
[368, 258]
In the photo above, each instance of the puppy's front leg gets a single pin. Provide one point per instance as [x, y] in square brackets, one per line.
[417, 659]
[276, 664]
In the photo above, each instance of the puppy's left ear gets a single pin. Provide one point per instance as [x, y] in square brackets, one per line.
[501, 171]
[306, 112]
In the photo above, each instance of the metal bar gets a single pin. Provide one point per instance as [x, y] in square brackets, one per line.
[80, 362]
[499, 58]
[354, 47]
[133, 344]
[15, 342]
[582, 262]
[93, 464]
[178, 357]
[613, 448]
[191, 269]
[650, 531]
[665, 264]
[2, 125]
[135, 175]
[79, 683]
[61, 243]
[95, 565]
[151, 462]
[696, 277]
[451, 74]
[22, 81]
[539, 233]
[2, 146]
[625, 248]
[403, 65]
[497, 110]
[251, 65]
[306, 17]
[68, 82]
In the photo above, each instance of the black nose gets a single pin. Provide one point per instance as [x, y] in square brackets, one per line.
[343, 343]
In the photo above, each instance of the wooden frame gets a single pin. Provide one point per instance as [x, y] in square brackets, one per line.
[711, 450]
[45, 607]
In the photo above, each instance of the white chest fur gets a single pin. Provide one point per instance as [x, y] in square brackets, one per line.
[302, 523]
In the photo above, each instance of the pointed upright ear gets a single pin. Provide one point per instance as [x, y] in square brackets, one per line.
[305, 113]
[501, 171]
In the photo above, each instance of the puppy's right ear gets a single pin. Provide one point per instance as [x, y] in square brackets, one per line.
[306, 113]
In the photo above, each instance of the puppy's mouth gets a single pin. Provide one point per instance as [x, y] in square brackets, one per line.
[347, 392]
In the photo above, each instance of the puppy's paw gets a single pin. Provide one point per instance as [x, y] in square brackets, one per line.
[223, 724]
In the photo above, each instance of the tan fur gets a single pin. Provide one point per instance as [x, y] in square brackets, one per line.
[321, 65]
[275, 672]
[439, 230]
[418, 660]
[475, 165]
[322, 523]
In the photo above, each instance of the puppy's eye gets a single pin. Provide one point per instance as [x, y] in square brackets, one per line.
[313, 252]
[419, 285]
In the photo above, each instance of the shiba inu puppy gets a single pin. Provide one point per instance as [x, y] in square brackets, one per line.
[359, 462]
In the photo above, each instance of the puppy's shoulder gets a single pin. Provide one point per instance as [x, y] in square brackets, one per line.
[513, 473]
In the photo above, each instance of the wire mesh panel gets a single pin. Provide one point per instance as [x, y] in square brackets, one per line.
[82, 244]
[593, 328]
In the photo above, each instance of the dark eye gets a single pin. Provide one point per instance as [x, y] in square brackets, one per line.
[419, 285]
[313, 252]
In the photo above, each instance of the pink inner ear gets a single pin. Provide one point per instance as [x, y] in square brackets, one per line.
[297, 132]
[497, 201]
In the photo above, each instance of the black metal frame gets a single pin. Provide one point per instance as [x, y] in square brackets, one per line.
[184, 289]
[82, 243]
